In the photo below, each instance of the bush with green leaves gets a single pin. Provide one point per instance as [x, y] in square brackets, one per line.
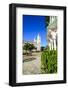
[49, 61]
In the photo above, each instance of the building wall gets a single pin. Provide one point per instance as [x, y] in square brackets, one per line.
[52, 33]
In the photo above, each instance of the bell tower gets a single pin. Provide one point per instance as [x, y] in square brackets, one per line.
[38, 42]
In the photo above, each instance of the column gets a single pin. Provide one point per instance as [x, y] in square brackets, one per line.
[54, 44]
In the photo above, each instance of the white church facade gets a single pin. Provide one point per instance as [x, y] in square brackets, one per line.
[52, 33]
[37, 42]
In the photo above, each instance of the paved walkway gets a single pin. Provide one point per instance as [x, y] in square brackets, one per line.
[32, 66]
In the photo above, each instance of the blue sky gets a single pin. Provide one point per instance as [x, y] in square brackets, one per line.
[32, 25]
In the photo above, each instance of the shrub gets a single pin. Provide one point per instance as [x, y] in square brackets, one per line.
[49, 61]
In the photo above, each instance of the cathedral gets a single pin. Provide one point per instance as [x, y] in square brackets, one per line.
[37, 42]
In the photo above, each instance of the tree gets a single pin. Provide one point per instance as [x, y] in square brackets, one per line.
[47, 20]
[28, 47]
[31, 47]
[42, 48]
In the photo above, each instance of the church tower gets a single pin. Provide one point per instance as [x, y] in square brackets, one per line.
[38, 42]
[35, 42]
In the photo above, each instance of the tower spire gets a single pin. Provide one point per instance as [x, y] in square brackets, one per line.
[38, 42]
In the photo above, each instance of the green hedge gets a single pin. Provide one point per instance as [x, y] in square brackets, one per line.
[49, 61]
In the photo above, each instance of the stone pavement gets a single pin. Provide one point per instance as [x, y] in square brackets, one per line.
[32, 66]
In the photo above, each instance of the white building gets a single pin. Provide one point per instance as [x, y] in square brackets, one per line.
[52, 33]
[37, 42]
